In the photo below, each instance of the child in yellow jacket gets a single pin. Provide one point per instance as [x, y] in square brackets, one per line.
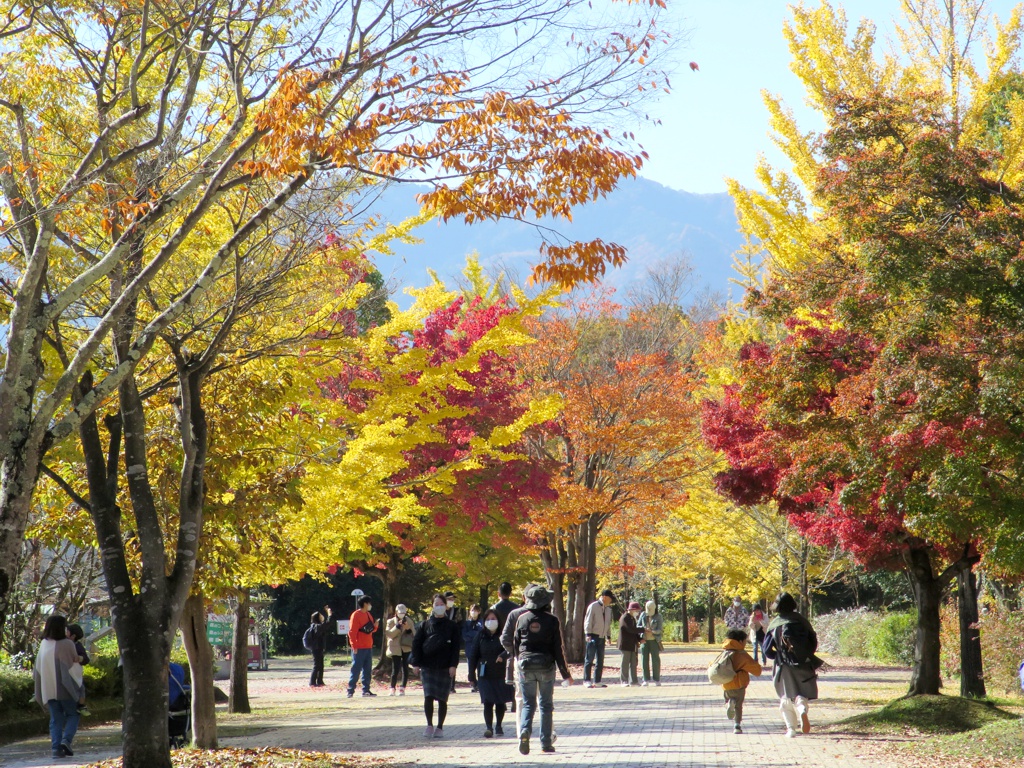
[736, 689]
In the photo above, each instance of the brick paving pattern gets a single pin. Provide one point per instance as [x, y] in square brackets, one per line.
[681, 724]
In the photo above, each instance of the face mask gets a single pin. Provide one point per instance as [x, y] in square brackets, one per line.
[492, 625]
[368, 608]
[737, 603]
[439, 610]
[474, 614]
[451, 603]
[635, 613]
[401, 614]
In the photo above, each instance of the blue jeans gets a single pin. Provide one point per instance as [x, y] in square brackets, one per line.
[531, 683]
[63, 722]
[362, 661]
[595, 652]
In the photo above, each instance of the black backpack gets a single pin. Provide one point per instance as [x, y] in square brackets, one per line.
[796, 645]
[309, 637]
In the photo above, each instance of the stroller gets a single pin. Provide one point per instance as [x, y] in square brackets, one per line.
[179, 699]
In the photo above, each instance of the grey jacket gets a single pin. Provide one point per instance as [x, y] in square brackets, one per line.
[598, 620]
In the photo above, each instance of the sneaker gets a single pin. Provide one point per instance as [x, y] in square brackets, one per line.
[737, 729]
[625, 685]
[392, 692]
[84, 712]
[439, 732]
[790, 733]
[548, 748]
[369, 693]
[600, 685]
[730, 709]
[488, 733]
[65, 749]
[805, 723]
[643, 683]
[657, 683]
[350, 694]
[401, 691]
[498, 731]
[429, 732]
[587, 684]
[524, 743]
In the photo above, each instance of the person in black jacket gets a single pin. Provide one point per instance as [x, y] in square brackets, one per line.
[435, 652]
[488, 659]
[504, 606]
[318, 630]
[538, 650]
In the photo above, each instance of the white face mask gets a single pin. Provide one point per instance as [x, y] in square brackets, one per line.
[451, 603]
[368, 608]
[492, 625]
[401, 614]
[439, 610]
[737, 603]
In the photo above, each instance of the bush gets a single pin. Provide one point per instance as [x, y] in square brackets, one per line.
[1002, 647]
[830, 626]
[103, 676]
[16, 689]
[892, 642]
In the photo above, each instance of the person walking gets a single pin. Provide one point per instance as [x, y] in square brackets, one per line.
[756, 627]
[630, 637]
[471, 629]
[399, 633]
[791, 642]
[508, 633]
[455, 614]
[435, 653]
[652, 626]
[597, 627]
[56, 687]
[736, 616]
[315, 640]
[361, 627]
[538, 651]
[489, 660]
[505, 604]
[735, 691]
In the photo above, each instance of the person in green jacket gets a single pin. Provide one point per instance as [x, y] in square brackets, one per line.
[653, 626]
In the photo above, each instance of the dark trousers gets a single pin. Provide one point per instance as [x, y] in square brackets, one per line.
[400, 664]
[595, 655]
[316, 677]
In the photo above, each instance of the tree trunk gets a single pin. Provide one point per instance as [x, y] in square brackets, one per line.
[685, 617]
[200, 661]
[19, 474]
[485, 591]
[711, 610]
[972, 679]
[805, 596]
[238, 699]
[145, 653]
[925, 678]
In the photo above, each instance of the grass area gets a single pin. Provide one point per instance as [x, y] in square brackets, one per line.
[925, 716]
[270, 757]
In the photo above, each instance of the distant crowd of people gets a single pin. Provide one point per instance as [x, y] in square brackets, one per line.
[514, 652]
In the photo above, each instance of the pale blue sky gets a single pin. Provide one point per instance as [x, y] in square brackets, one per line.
[714, 123]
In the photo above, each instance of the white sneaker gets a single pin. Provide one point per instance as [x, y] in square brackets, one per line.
[625, 685]
[643, 684]
[790, 733]
[401, 691]
[587, 684]
[391, 692]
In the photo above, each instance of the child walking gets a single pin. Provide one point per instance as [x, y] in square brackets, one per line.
[735, 690]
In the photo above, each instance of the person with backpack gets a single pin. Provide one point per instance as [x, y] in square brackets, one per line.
[538, 651]
[488, 659]
[399, 632]
[630, 637]
[791, 642]
[361, 627]
[652, 625]
[732, 670]
[435, 653]
[314, 639]
[756, 628]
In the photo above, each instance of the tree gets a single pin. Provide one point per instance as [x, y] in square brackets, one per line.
[115, 185]
[622, 443]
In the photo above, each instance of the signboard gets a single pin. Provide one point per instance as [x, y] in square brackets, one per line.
[218, 632]
[343, 626]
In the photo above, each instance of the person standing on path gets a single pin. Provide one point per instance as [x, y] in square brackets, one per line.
[489, 659]
[791, 642]
[735, 691]
[435, 652]
[56, 688]
[471, 629]
[630, 637]
[361, 627]
[505, 605]
[316, 637]
[757, 625]
[508, 633]
[652, 626]
[538, 650]
[597, 627]
[736, 617]
[399, 632]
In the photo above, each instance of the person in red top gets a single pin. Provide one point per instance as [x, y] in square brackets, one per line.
[361, 627]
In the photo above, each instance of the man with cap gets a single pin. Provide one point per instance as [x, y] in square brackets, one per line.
[538, 651]
[508, 643]
[597, 627]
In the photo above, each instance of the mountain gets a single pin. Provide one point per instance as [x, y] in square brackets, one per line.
[653, 222]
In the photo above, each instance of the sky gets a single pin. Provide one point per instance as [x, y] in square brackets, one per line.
[714, 124]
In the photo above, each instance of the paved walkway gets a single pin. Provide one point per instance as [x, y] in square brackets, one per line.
[680, 724]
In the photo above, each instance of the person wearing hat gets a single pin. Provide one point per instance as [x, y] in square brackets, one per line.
[538, 651]
[399, 633]
[597, 627]
[508, 633]
[736, 617]
[630, 637]
[652, 625]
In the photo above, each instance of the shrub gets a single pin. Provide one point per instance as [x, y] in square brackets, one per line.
[16, 688]
[103, 676]
[892, 642]
[830, 626]
[1002, 647]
